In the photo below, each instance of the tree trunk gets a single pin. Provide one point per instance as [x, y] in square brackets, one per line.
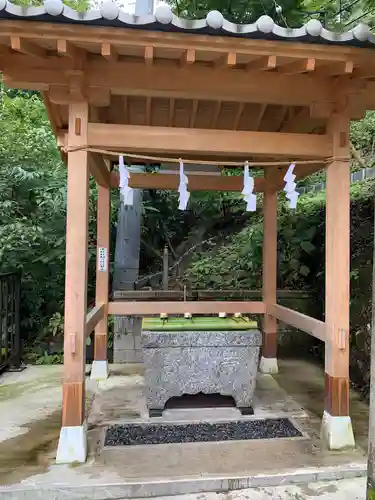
[371, 438]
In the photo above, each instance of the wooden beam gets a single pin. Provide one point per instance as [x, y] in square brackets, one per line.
[99, 170]
[193, 115]
[93, 317]
[299, 66]
[237, 118]
[187, 58]
[95, 96]
[185, 141]
[269, 267]
[228, 60]
[267, 63]
[73, 409]
[108, 52]
[164, 81]
[149, 55]
[312, 326]
[102, 270]
[337, 267]
[19, 44]
[196, 182]
[193, 307]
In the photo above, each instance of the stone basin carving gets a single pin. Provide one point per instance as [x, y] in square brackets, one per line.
[190, 362]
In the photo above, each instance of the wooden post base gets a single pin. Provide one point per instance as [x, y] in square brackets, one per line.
[268, 361]
[268, 365]
[337, 432]
[99, 370]
[72, 446]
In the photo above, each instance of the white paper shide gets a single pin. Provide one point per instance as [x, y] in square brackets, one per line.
[248, 190]
[290, 186]
[126, 192]
[184, 194]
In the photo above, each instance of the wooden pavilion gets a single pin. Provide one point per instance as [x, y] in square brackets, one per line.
[205, 90]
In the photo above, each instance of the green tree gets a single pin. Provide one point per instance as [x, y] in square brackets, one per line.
[242, 11]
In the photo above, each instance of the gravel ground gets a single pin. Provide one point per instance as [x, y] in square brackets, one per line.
[140, 434]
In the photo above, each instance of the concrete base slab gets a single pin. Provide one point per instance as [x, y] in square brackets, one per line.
[268, 366]
[337, 432]
[65, 487]
[99, 370]
[72, 446]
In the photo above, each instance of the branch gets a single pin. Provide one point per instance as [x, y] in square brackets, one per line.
[357, 155]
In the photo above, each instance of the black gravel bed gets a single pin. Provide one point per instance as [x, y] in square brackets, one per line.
[140, 434]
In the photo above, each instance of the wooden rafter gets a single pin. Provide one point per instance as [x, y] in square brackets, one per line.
[263, 63]
[125, 113]
[283, 113]
[259, 118]
[193, 115]
[336, 69]
[24, 46]
[238, 116]
[68, 49]
[187, 58]
[216, 115]
[142, 38]
[108, 52]
[300, 66]
[172, 103]
[148, 110]
[228, 60]
[149, 55]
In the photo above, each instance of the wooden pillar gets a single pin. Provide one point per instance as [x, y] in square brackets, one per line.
[336, 425]
[72, 443]
[100, 366]
[268, 362]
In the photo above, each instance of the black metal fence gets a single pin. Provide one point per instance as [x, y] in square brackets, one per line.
[9, 321]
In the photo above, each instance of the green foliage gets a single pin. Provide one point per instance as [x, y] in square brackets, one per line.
[240, 259]
[32, 206]
[33, 212]
[241, 11]
[363, 137]
[78, 5]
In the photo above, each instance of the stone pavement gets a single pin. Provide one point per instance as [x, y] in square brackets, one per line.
[347, 489]
[30, 416]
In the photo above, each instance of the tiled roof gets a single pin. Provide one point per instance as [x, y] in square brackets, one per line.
[164, 20]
